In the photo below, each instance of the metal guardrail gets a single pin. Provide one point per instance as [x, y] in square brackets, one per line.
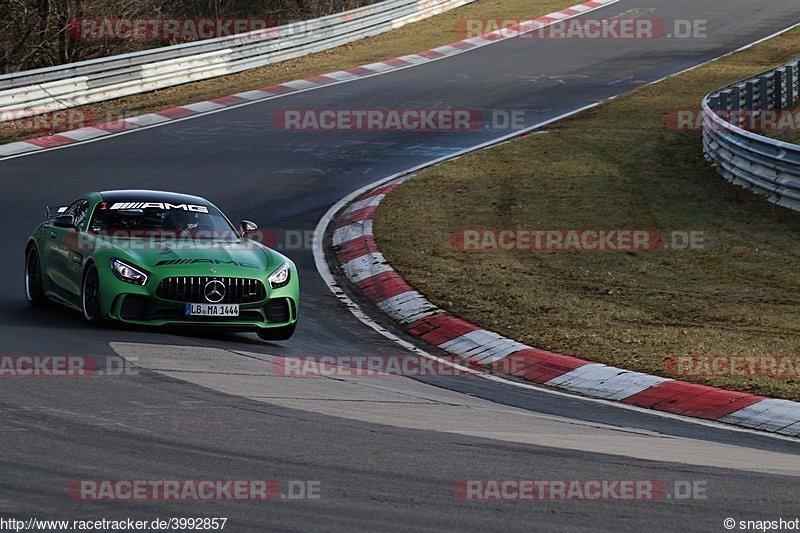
[766, 166]
[50, 89]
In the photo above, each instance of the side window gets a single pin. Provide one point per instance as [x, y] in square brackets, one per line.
[72, 207]
[79, 210]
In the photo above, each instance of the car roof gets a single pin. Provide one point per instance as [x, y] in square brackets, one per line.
[132, 195]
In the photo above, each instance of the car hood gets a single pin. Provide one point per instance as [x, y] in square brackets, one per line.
[233, 258]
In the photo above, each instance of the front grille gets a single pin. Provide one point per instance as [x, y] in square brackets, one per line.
[191, 289]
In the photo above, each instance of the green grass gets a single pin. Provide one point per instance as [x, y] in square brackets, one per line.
[616, 166]
[791, 135]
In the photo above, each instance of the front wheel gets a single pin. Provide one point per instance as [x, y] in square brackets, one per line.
[34, 287]
[90, 296]
[283, 333]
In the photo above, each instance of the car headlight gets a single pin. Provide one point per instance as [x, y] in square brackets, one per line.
[280, 278]
[129, 273]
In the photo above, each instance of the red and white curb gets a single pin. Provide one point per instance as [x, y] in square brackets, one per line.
[364, 266]
[97, 131]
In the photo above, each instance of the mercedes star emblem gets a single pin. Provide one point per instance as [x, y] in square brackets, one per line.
[214, 291]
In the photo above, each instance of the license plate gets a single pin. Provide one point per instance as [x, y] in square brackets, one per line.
[212, 310]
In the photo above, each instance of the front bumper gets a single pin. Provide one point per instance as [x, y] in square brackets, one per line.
[138, 309]
[133, 304]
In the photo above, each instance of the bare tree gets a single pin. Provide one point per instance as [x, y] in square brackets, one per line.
[37, 33]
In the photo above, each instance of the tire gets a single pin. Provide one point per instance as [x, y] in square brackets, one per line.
[90, 296]
[276, 334]
[34, 280]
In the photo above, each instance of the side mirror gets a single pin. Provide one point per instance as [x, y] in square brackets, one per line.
[248, 227]
[64, 221]
[50, 212]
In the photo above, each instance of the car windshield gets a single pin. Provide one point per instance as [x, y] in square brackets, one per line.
[140, 219]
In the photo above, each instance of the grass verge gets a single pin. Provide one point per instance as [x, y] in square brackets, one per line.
[616, 166]
[792, 133]
[410, 39]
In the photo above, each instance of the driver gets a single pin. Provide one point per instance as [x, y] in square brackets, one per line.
[182, 222]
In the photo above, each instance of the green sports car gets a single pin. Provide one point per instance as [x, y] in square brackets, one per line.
[157, 258]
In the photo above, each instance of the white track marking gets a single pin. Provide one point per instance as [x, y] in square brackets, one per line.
[407, 307]
[352, 231]
[606, 381]
[149, 119]
[202, 107]
[83, 133]
[365, 267]
[300, 84]
[247, 95]
[372, 201]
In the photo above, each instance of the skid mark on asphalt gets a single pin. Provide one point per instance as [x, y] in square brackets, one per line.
[51, 418]
[402, 402]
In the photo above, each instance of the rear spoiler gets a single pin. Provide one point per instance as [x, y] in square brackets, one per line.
[50, 212]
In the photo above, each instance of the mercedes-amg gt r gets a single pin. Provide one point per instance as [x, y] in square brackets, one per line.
[158, 258]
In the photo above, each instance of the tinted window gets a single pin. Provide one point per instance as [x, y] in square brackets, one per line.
[80, 212]
[78, 209]
[140, 216]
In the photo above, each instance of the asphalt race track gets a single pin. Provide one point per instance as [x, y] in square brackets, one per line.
[386, 455]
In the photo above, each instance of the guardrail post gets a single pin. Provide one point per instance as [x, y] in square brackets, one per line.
[723, 100]
[749, 95]
[736, 98]
[777, 95]
[790, 89]
[713, 102]
[763, 89]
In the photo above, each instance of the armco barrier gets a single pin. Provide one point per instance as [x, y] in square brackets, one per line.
[60, 87]
[767, 166]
